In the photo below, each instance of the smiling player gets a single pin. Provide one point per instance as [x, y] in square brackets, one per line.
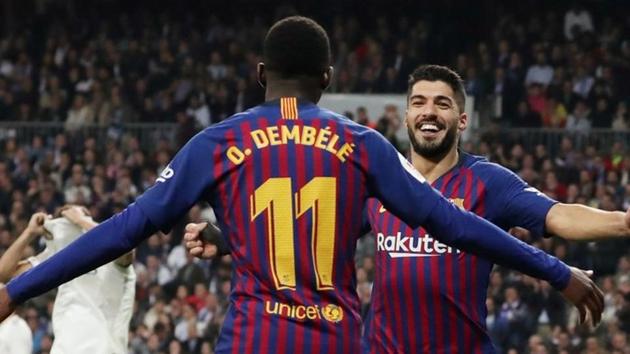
[442, 290]
[288, 181]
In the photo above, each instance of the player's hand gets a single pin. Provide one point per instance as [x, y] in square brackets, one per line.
[585, 295]
[6, 305]
[520, 233]
[76, 214]
[195, 245]
[35, 225]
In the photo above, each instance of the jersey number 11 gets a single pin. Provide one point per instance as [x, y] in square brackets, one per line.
[275, 198]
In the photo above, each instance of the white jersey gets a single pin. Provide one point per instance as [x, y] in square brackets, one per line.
[91, 313]
[118, 286]
[15, 336]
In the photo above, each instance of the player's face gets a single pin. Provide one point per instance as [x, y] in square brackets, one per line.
[433, 118]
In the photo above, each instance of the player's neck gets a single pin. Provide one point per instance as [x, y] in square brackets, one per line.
[292, 88]
[432, 169]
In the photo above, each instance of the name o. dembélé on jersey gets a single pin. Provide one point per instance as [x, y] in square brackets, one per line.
[321, 138]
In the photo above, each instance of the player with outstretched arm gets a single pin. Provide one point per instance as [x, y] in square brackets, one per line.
[289, 181]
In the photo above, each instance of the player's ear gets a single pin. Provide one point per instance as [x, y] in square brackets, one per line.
[327, 77]
[463, 121]
[260, 74]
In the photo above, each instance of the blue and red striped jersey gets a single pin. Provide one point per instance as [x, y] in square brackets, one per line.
[440, 290]
[286, 180]
[289, 182]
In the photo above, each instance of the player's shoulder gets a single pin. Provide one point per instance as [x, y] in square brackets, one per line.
[340, 119]
[481, 165]
[219, 133]
[487, 171]
[358, 132]
[229, 123]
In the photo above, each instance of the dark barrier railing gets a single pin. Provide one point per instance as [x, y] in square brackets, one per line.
[602, 139]
[149, 134]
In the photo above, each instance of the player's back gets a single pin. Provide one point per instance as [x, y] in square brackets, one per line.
[292, 182]
[288, 182]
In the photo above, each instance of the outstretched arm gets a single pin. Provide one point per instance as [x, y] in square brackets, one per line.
[10, 262]
[104, 243]
[524, 206]
[405, 193]
[579, 222]
[80, 216]
[189, 176]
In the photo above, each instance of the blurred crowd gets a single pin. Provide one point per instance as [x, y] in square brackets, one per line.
[564, 68]
[181, 301]
[542, 66]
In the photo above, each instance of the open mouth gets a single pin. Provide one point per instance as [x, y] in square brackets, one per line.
[429, 128]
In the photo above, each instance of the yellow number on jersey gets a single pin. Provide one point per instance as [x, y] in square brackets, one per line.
[274, 197]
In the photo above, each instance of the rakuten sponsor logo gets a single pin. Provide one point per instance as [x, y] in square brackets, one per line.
[399, 246]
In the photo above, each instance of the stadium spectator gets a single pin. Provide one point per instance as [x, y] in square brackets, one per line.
[554, 114]
[577, 20]
[526, 117]
[540, 72]
[514, 322]
[79, 115]
[579, 121]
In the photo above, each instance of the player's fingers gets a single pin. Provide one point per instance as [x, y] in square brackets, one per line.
[191, 236]
[39, 218]
[600, 296]
[594, 309]
[191, 227]
[193, 244]
[210, 250]
[589, 273]
[195, 227]
[582, 310]
[196, 251]
[596, 300]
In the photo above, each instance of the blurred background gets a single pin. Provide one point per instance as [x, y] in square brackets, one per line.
[95, 97]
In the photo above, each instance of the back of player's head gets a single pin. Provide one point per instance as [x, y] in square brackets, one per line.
[440, 73]
[295, 47]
